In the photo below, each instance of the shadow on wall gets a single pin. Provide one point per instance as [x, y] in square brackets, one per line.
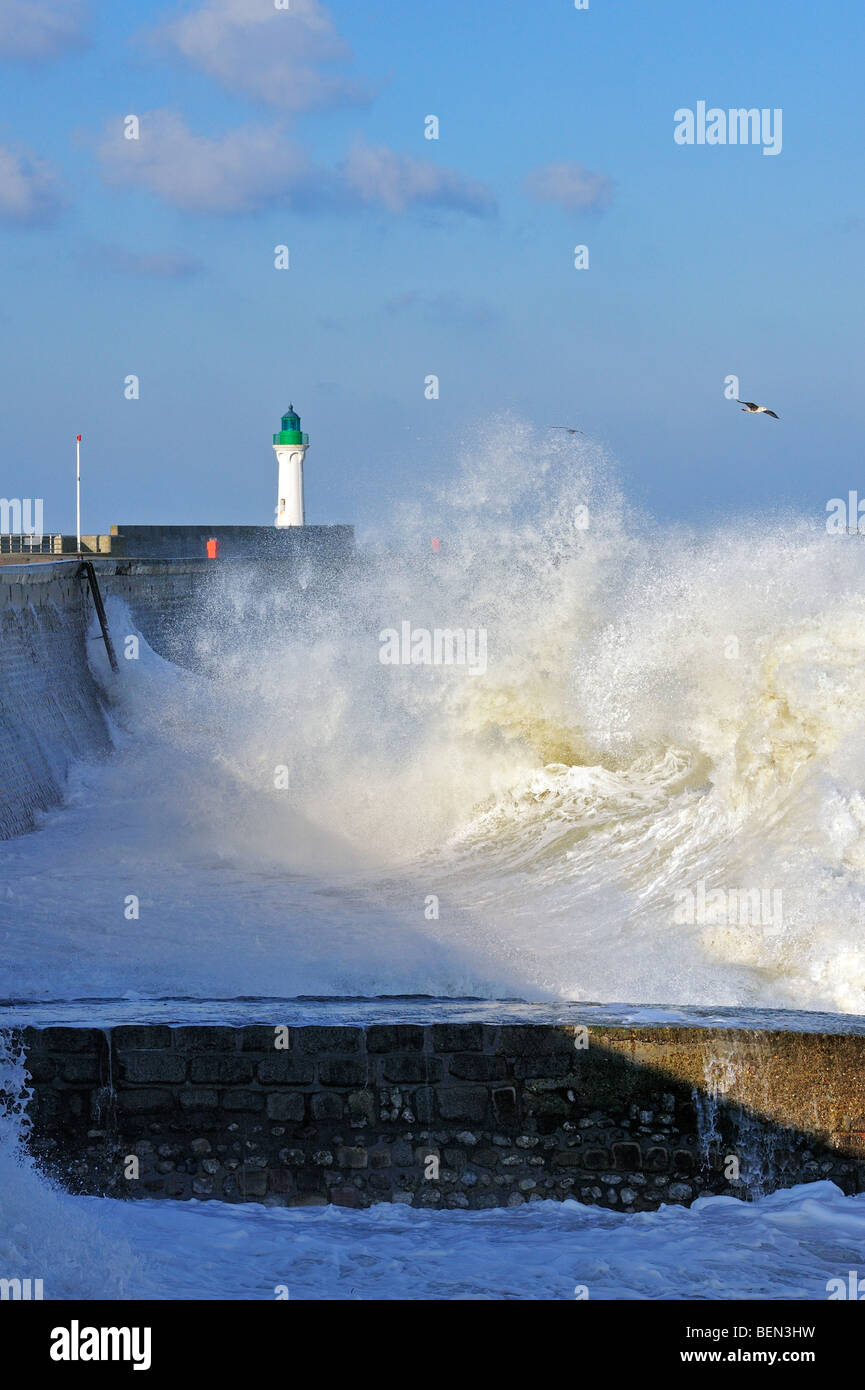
[448, 1115]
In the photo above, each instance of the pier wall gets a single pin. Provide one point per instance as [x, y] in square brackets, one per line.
[50, 709]
[445, 1115]
[166, 600]
[49, 706]
[325, 544]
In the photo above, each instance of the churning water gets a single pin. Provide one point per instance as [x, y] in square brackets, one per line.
[649, 790]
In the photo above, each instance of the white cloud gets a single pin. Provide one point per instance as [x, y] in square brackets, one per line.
[242, 171]
[571, 186]
[255, 167]
[39, 29]
[380, 177]
[283, 57]
[29, 191]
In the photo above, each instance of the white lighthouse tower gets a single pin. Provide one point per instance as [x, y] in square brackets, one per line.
[290, 447]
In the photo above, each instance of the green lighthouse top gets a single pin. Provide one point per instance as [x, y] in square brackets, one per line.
[291, 432]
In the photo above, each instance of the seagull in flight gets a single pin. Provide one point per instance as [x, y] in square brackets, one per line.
[753, 409]
[567, 428]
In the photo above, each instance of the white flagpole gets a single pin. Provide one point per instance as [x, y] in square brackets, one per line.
[78, 490]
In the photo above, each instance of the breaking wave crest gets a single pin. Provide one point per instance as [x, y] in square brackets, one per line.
[654, 789]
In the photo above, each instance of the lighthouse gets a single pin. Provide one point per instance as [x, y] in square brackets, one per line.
[290, 447]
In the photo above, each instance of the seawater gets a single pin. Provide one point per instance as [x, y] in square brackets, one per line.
[662, 712]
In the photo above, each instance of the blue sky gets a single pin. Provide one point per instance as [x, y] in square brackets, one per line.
[412, 257]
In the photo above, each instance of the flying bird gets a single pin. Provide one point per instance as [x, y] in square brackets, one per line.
[753, 409]
[567, 428]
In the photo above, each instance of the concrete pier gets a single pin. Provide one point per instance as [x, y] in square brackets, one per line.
[50, 711]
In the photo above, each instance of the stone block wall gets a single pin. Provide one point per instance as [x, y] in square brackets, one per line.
[165, 601]
[445, 1115]
[191, 612]
[49, 706]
